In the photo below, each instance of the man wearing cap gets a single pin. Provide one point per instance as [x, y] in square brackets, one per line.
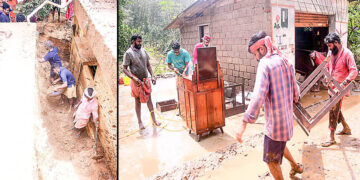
[275, 86]
[342, 68]
[68, 87]
[205, 43]
[87, 106]
[137, 59]
[52, 57]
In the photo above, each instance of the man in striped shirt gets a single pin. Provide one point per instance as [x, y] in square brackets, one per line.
[276, 87]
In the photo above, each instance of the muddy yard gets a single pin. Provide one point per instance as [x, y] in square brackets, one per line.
[162, 154]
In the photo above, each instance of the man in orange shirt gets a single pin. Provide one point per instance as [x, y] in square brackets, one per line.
[13, 11]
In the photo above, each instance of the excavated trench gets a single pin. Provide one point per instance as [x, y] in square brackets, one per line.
[59, 153]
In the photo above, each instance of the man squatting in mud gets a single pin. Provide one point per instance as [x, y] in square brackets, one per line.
[137, 59]
[276, 85]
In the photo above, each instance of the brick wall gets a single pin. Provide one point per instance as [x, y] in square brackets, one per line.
[231, 24]
[88, 47]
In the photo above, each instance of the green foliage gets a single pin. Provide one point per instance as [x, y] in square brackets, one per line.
[27, 7]
[157, 61]
[151, 17]
[354, 30]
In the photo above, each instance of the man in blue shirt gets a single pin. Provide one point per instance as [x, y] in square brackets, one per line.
[53, 57]
[4, 13]
[178, 59]
[67, 87]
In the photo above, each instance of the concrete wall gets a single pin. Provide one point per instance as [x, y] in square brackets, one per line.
[231, 24]
[88, 48]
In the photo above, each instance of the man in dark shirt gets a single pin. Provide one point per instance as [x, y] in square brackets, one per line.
[4, 13]
[53, 57]
[67, 87]
[137, 59]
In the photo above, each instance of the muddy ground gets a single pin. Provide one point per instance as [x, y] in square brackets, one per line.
[160, 154]
[60, 154]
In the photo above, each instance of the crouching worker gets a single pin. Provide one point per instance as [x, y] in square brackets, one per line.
[67, 87]
[87, 106]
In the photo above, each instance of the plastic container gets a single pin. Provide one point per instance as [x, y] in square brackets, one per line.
[126, 81]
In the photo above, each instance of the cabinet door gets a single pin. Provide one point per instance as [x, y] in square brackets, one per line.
[215, 109]
[201, 112]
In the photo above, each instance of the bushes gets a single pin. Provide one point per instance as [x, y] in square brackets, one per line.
[354, 30]
[26, 7]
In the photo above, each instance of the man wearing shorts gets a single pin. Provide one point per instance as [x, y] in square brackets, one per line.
[52, 57]
[276, 88]
[68, 87]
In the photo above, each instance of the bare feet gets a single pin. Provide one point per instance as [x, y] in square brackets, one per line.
[298, 169]
[78, 134]
[157, 123]
[141, 126]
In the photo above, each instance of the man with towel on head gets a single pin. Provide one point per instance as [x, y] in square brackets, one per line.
[87, 106]
[275, 86]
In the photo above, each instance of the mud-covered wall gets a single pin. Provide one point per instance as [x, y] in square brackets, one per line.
[88, 49]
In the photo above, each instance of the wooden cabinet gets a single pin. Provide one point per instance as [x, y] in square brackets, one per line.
[202, 98]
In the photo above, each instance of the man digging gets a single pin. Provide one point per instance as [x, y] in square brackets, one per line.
[137, 59]
[342, 68]
[67, 87]
[52, 57]
[276, 87]
[87, 106]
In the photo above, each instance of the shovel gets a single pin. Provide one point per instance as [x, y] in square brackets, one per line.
[96, 157]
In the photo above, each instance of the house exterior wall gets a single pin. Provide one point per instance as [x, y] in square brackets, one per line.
[232, 22]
